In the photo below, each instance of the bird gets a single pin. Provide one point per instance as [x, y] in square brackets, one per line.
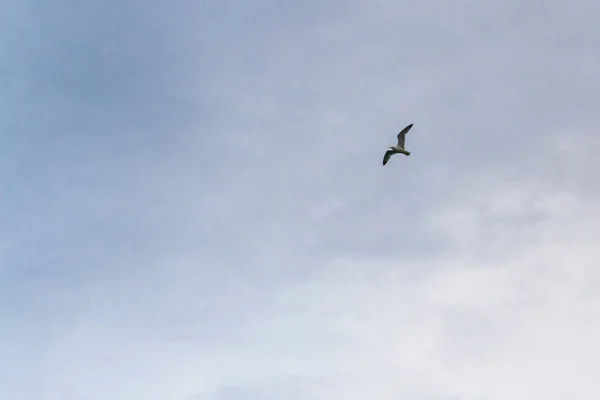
[399, 148]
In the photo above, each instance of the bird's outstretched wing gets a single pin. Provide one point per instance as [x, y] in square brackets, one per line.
[402, 135]
[387, 156]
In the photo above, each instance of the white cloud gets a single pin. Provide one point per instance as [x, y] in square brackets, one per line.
[458, 327]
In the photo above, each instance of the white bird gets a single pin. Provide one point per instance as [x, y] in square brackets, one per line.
[399, 148]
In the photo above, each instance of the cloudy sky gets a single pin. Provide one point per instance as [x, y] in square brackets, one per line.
[193, 206]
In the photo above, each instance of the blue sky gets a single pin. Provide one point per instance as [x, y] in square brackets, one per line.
[193, 205]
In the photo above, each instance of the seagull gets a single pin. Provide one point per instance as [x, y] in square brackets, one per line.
[399, 148]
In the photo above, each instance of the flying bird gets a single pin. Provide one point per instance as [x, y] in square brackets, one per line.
[399, 148]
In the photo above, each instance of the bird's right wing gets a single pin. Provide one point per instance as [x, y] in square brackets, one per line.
[402, 135]
[387, 156]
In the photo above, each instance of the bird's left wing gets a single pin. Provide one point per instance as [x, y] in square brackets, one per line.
[402, 135]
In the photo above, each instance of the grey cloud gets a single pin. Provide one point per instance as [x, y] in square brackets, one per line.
[193, 201]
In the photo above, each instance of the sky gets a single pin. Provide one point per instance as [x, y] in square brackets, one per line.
[193, 206]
